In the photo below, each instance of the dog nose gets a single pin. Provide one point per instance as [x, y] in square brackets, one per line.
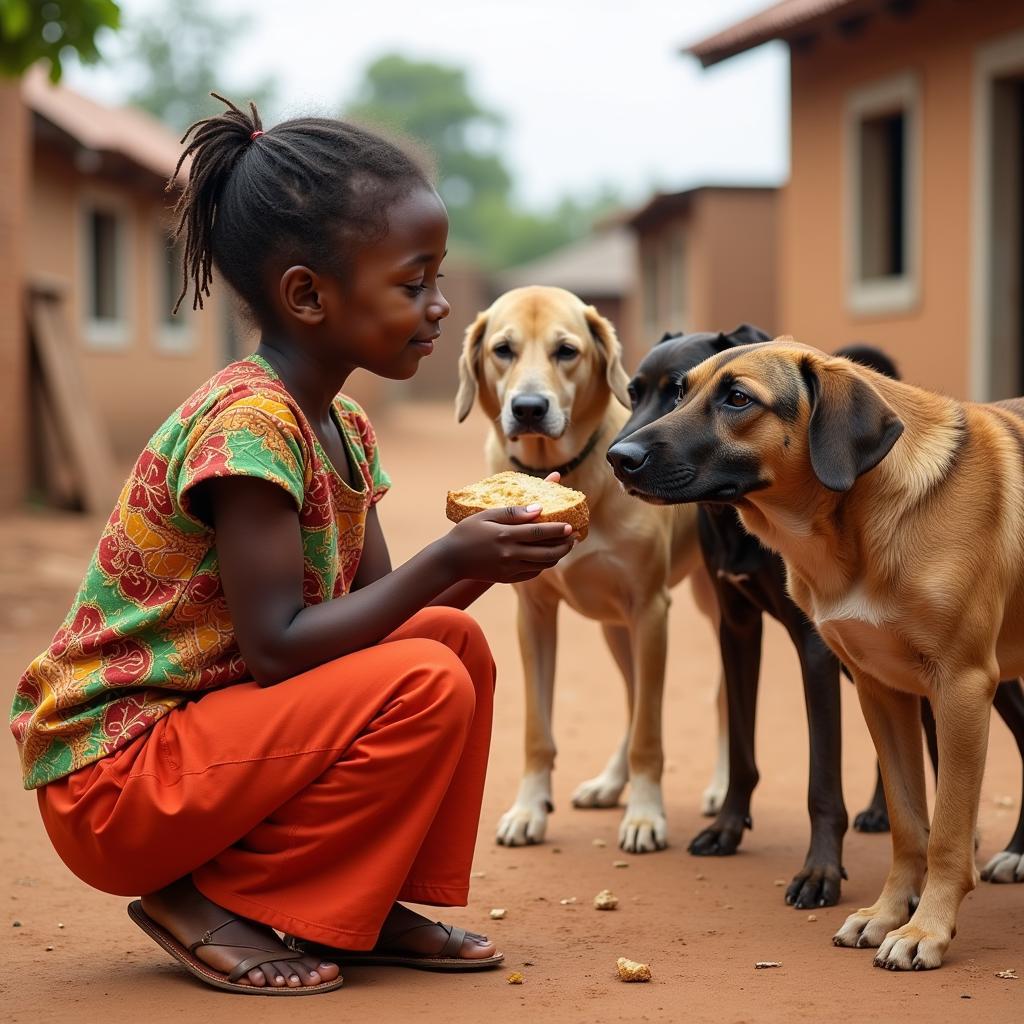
[529, 408]
[627, 457]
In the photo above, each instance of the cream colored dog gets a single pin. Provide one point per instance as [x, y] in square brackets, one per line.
[900, 517]
[549, 376]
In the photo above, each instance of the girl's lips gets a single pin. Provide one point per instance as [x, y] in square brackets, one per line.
[425, 345]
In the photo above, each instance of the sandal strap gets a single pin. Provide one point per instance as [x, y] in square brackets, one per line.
[456, 937]
[266, 956]
[452, 944]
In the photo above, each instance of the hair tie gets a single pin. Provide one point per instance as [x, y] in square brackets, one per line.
[255, 135]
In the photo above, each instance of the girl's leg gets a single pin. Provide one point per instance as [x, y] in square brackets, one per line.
[303, 805]
[440, 873]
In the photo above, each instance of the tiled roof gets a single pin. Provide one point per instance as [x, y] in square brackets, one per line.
[125, 131]
[599, 265]
[779, 21]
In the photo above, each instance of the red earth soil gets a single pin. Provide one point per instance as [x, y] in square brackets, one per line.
[701, 924]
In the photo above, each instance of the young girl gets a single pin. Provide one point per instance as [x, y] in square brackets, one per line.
[248, 717]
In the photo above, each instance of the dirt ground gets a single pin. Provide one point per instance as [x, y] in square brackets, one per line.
[72, 954]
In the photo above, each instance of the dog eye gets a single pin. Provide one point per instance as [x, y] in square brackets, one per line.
[737, 399]
[503, 350]
[565, 353]
[631, 391]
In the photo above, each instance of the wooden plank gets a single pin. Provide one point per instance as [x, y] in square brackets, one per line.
[81, 432]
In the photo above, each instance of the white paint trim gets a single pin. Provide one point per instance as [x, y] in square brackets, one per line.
[175, 337]
[893, 294]
[107, 334]
[995, 60]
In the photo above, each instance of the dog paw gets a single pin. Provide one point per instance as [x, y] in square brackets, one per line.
[867, 928]
[721, 839]
[600, 791]
[523, 824]
[912, 948]
[817, 885]
[643, 832]
[1004, 867]
[644, 827]
[871, 819]
[711, 799]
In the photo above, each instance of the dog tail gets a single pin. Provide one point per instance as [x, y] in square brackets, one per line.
[871, 357]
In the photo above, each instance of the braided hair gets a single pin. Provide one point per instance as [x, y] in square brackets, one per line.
[307, 190]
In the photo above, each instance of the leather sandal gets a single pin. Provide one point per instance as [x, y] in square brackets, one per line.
[445, 959]
[185, 955]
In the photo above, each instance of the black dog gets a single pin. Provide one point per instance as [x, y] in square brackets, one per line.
[749, 581]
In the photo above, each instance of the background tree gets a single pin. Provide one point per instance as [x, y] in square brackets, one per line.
[433, 105]
[31, 30]
[174, 57]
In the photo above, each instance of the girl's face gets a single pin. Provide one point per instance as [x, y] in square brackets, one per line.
[387, 315]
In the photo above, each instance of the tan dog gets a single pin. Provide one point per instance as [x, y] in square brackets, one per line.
[900, 517]
[549, 376]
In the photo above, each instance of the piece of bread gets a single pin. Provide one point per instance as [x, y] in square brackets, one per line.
[560, 504]
[630, 970]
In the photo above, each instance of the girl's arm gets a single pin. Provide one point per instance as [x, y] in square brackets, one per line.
[259, 548]
[376, 563]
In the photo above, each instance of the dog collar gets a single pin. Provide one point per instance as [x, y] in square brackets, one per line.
[566, 468]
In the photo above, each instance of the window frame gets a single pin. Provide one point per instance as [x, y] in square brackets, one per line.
[103, 334]
[898, 293]
[177, 337]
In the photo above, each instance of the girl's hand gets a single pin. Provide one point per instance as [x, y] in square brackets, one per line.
[505, 545]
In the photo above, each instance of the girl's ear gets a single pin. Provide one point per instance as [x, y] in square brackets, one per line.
[468, 365]
[611, 349]
[300, 295]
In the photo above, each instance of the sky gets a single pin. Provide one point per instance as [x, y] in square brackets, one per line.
[593, 91]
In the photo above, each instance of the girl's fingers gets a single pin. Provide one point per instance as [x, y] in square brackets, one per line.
[543, 554]
[553, 478]
[538, 533]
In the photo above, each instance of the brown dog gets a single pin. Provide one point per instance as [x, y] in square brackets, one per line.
[548, 372]
[900, 517]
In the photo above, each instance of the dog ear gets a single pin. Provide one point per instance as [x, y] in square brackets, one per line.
[745, 334]
[851, 429]
[611, 348]
[468, 361]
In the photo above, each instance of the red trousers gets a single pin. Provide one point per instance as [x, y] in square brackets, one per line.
[310, 806]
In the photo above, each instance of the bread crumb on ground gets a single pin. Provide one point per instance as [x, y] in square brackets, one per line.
[515, 978]
[630, 970]
[606, 900]
[498, 913]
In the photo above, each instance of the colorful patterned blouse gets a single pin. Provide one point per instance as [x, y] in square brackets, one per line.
[150, 625]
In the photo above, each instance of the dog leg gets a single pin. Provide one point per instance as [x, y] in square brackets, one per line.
[1008, 866]
[739, 636]
[963, 710]
[706, 599]
[893, 719]
[874, 817]
[644, 827]
[526, 821]
[818, 883]
[714, 794]
[605, 789]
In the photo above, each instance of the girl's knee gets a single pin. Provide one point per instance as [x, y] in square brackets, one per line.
[453, 627]
[445, 681]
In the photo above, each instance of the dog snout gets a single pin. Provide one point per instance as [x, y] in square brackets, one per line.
[530, 408]
[627, 457]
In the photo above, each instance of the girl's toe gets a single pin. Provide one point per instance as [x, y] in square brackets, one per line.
[256, 977]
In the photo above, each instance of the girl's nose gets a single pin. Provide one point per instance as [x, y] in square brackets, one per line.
[439, 308]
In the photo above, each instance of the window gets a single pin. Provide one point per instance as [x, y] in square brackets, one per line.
[174, 330]
[883, 192]
[104, 283]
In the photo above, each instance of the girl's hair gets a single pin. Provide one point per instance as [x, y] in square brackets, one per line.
[304, 190]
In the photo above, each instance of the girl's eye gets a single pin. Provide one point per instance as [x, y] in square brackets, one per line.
[415, 289]
[565, 352]
[503, 350]
[737, 399]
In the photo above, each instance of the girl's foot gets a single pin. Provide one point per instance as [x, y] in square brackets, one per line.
[403, 931]
[186, 913]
